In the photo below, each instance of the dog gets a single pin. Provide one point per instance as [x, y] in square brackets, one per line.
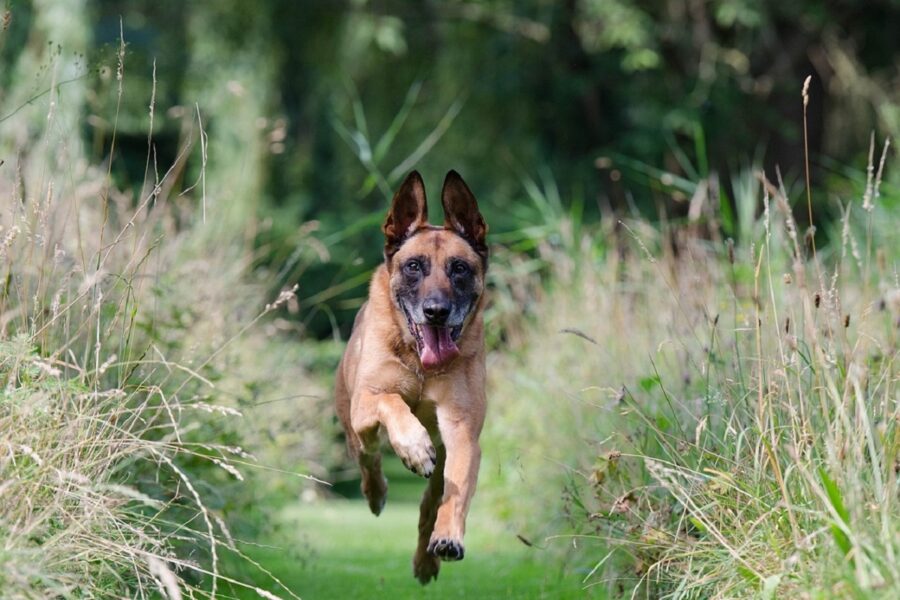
[414, 367]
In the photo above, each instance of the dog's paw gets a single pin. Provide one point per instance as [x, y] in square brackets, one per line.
[426, 567]
[446, 548]
[417, 452]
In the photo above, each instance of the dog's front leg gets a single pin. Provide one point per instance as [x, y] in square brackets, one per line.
[407, 435]
[459, 432]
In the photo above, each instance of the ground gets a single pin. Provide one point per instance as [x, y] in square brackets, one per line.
[342, 551]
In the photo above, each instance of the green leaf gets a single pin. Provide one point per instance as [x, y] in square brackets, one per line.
[837, 501]
[648, 383]
[697, 523]
[841, 539]
[726, 213]
[834, 496]
[748, 574]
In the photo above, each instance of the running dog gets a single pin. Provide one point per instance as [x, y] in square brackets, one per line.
[414, 367]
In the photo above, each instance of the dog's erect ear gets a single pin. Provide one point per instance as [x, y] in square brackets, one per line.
[409, 212]
[461, 213]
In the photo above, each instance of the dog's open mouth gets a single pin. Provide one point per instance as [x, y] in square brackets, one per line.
[436, 345]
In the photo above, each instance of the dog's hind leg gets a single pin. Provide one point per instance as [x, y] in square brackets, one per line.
[374, 483]
[425, 565]
[365, 448]
[364, 451]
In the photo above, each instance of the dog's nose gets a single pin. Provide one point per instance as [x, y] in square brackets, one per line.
[436, 310]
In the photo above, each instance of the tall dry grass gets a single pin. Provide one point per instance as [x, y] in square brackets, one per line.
[142, 374]
[714, 419]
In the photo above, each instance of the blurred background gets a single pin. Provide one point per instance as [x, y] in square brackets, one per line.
[260, 144]
[321, 107]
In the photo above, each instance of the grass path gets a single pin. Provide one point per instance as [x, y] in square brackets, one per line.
[342, 551]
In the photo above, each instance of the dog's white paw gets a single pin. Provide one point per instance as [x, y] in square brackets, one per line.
[416, 451]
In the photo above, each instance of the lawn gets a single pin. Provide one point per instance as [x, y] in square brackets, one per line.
[342, 551]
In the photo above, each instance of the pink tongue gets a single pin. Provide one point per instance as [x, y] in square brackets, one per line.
[437, 346]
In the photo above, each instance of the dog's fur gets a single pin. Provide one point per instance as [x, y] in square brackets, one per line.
[414, 366]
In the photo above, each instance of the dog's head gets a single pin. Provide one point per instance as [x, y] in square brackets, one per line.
[436, 273]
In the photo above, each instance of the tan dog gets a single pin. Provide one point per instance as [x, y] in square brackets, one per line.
[414, 365]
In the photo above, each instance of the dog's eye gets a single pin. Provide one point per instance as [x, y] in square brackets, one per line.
[413, 266]
[459, 268]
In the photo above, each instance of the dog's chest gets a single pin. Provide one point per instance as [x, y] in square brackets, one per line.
[426, 412]
[423, 393]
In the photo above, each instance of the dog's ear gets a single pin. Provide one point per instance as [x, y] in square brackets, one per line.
[461, 213]
[409, 212]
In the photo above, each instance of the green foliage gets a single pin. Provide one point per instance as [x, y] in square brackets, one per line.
[589, 88]
[604, 25]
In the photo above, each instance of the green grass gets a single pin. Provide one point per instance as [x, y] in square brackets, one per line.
[340, 550]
